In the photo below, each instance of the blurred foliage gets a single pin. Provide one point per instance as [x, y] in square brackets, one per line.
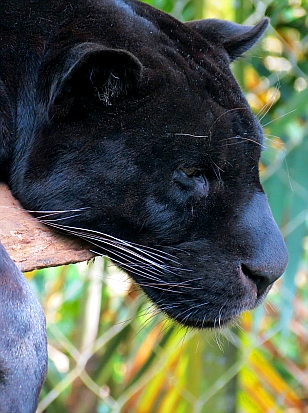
[110, 351]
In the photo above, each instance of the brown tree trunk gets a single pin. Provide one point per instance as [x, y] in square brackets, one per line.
[32, 245]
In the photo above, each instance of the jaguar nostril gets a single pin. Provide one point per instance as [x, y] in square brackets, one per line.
[262, 281]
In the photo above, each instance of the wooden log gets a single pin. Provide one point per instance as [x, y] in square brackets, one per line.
[32, 245]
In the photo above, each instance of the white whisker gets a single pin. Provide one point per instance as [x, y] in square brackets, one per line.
[191, 135]
[82, 233]
[267, 107]
[242, 139]
[279, 117]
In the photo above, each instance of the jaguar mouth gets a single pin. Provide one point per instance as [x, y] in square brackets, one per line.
[208, 292]
[208, 307]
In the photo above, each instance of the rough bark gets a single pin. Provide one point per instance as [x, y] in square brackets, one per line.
[32, 245]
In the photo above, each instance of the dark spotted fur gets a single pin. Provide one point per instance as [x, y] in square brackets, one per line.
[133, 124]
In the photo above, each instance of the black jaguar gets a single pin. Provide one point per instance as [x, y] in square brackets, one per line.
[125, 127]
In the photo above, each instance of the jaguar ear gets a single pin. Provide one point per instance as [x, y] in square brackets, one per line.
[91, 75]
[235, 38]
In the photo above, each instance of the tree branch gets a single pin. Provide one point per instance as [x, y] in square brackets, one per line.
[32, 245]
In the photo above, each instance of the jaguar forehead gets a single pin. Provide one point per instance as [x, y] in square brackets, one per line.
[132, 16]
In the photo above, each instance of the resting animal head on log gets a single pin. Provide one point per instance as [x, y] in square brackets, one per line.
[133, 124]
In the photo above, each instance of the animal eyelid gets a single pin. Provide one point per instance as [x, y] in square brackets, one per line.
[191, 171]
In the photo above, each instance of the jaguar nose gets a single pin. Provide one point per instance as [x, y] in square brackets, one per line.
[261, 278]
[270, 257]
[268, 264]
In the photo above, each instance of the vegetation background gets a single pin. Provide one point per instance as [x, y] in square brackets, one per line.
[109, 350]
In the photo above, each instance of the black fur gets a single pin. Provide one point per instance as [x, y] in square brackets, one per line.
[23, 355]
[133, 123]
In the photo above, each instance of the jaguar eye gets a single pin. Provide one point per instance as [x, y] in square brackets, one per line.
[191, 172]
[192, 179]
